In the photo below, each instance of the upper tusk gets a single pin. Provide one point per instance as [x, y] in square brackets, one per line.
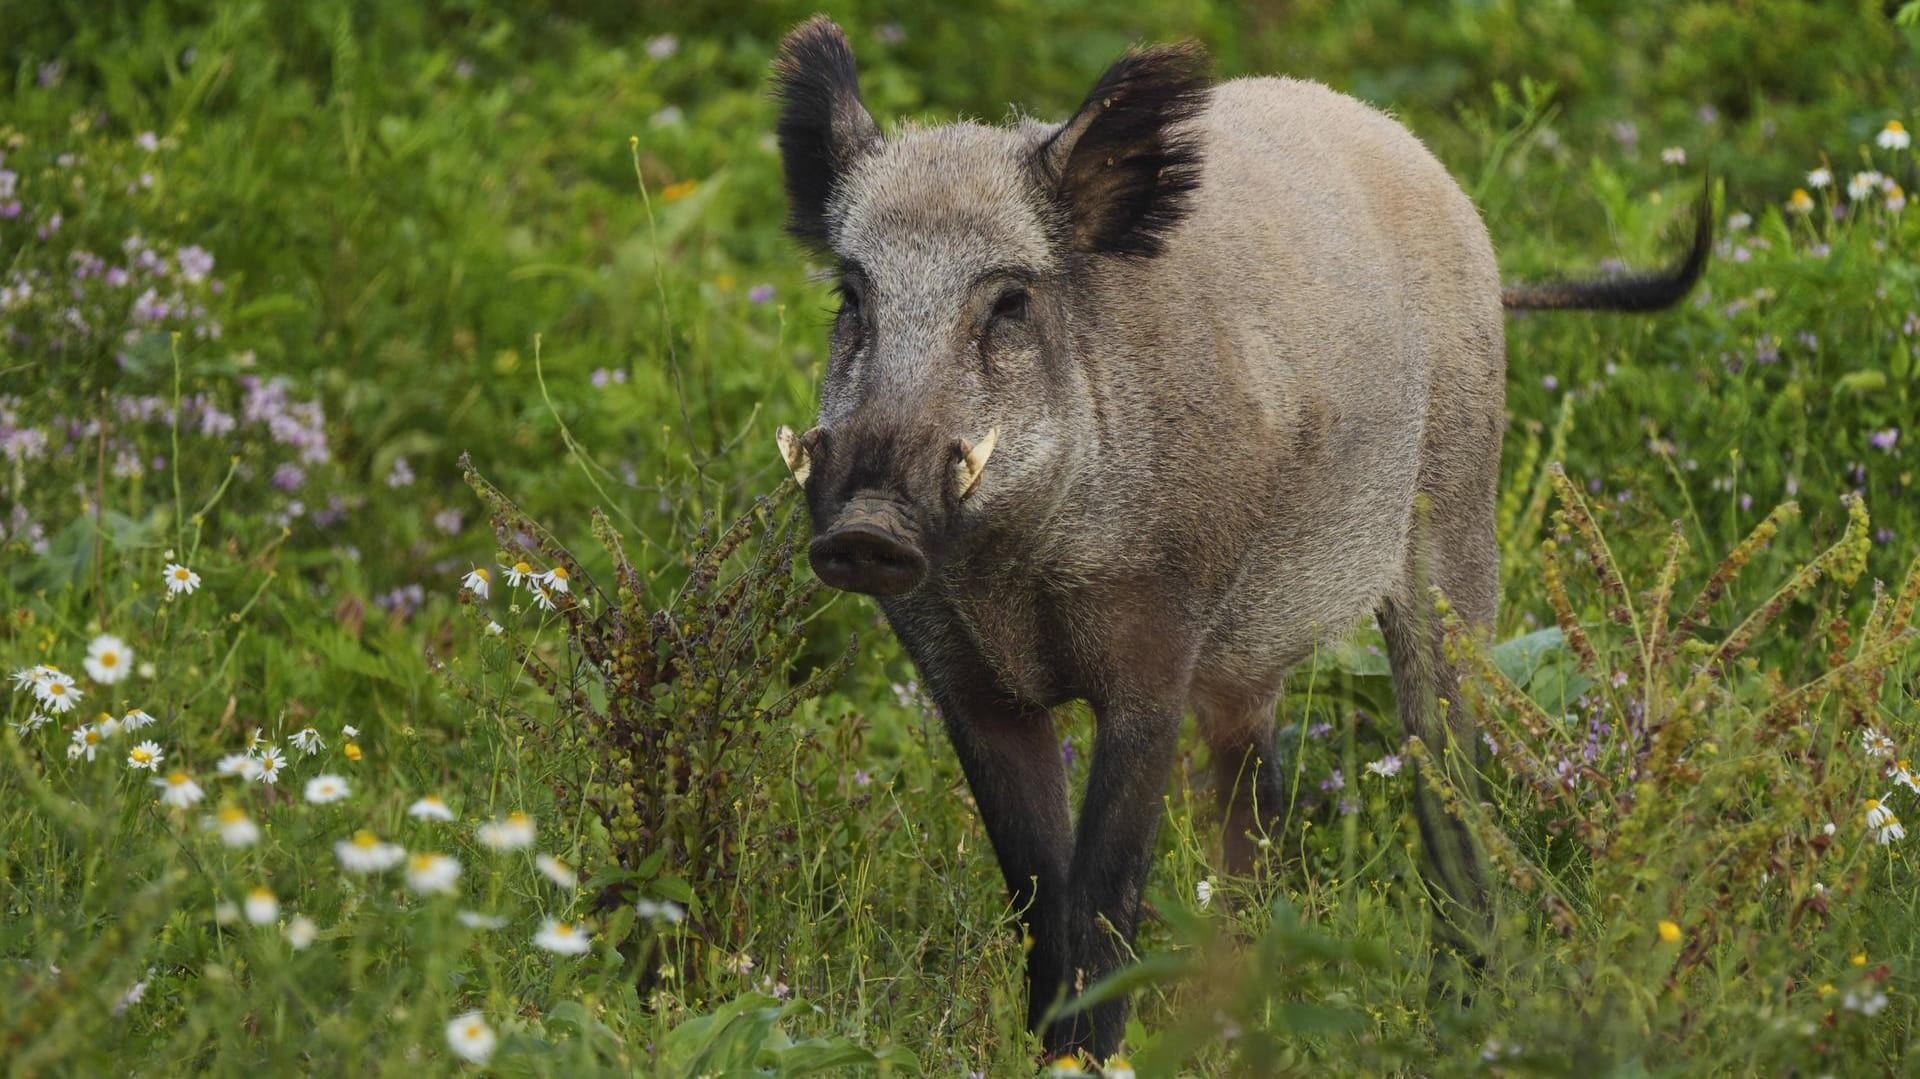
[795, 454]
[974, 461]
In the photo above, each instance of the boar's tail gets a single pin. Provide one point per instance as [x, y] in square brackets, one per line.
[1624, 292]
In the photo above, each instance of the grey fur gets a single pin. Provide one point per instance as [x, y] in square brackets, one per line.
[1212, 447]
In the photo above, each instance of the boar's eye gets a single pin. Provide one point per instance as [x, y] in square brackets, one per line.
[849, 299]
[1010, 307]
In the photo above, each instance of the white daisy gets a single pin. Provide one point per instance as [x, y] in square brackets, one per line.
[556, 870]
[301, 931]
[519, 573]
[26, 678]
[495, 629]
[236, 828]
[1820, 177]
[145, 755]
[662, 910]
[473, 919]
[308, 741]
[1903, 775]
[431, 807]
[1893, 136]
[1203, 893]
[564, 938]
[1388, 765]
[512, 832]
[261, 907]
[33, 722]
[109, 660]
[1877, 812]
[432, 874]
[179, 790]
[239, 764]
[325, 789]
[543, 599]
[271, 761]
[86, 742]
[1673, 155]
[180, 580]
[1862, 184]
[478, 581]
[1867, 1001]
[470, 1038]
[226, 912]
[365, 853]
[58, 694]
[348, 730]
[1876, 744]
[556, 579]
[1890, 831]
[106, 725]
[135, 720]
[1117, 1068]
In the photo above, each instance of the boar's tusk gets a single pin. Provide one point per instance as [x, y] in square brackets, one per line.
[794, 454]
[973, 461]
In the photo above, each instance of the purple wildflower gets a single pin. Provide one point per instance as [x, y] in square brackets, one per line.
[760, 294]
[1885, 440]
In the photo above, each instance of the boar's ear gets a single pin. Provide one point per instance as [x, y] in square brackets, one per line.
[824, 127]
[1125, 166]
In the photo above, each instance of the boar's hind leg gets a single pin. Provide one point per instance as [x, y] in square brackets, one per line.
[1012, 761]
[1133, 751]
[1454, 549]
[1249, 779]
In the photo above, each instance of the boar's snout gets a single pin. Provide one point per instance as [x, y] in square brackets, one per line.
[871, 548]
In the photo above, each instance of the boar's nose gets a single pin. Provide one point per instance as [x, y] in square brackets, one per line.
[869, 550]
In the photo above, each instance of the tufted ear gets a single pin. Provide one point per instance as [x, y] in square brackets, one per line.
[1125, 166]
[824, 128]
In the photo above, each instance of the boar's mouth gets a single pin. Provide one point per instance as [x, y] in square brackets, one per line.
[871, 548]
[873, 541]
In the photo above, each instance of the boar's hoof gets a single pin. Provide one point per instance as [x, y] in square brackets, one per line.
[864, 557]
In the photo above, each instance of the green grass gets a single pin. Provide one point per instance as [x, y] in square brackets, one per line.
[430, 235]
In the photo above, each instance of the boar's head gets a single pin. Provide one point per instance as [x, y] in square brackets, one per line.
[966, 256]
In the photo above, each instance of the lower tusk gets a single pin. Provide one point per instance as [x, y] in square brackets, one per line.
[973, 461]
[795, 454]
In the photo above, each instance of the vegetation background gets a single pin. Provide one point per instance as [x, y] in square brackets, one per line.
[268, 270]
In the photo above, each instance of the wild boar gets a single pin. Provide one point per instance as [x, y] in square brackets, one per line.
[1133, 409]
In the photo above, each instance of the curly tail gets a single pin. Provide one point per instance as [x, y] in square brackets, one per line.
[1625, 292]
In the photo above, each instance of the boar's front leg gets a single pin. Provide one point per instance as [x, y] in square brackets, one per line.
[1133, 751]
[1011, 758]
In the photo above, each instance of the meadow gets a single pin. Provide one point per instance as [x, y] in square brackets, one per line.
[412, 670]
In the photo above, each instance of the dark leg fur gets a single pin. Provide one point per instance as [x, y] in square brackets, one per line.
[1133, 754]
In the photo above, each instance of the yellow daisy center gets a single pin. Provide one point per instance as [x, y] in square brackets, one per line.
[232, 815]
[260, 893]
[433, 800]
[176, 779]
[365, 840]
[108, 659]
[424, 862]
[1895, 126]
[473, 1030]
[560, 572]
[57, 689]
[483, 574]
[181, 574]
[1873, 804]
[522, 567]
[141, 755]
[93, 738]
[562, 929]
[518, 819]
